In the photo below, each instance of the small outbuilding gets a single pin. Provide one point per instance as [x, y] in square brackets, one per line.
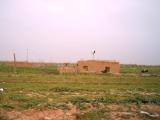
[91, 66]
[98, 66]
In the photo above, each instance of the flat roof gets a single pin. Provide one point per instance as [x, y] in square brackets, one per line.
[111, 61]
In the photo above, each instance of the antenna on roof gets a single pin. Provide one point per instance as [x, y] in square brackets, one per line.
[93, 53]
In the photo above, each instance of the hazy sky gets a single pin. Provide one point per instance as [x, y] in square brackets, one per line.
[69, 30]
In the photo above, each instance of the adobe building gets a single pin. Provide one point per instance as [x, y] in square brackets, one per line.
[98, 66]
[91, 66]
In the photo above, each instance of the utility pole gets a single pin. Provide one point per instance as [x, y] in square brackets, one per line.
[27, 56]
[14, 55]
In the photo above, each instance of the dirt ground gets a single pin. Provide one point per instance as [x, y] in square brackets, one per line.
[114, 112]
[132, 112]
[47, 114]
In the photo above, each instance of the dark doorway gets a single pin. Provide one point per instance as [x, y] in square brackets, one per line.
[85, 68]
[106, 70]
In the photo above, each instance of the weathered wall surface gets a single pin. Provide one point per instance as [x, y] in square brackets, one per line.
[98, 66]
[91, 66]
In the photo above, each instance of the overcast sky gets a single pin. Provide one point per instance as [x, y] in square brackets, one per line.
[68, 30]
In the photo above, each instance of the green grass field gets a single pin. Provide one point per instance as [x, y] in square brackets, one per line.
[43, 87]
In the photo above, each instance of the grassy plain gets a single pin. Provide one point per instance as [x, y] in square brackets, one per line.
[43, 88]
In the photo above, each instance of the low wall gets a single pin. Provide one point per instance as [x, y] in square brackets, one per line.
[67, 69]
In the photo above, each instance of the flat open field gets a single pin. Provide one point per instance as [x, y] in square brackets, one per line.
[40, 93]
